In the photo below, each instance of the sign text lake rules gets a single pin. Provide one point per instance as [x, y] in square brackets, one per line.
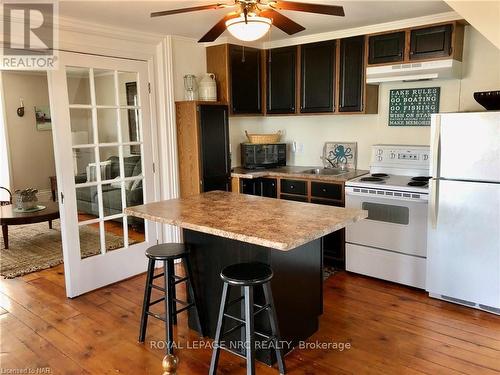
[413, 107]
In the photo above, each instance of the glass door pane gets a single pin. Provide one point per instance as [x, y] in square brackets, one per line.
[107, 142]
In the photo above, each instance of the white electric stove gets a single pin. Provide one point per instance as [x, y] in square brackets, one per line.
[391, 244]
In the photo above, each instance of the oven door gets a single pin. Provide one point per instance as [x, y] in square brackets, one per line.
[393, 224]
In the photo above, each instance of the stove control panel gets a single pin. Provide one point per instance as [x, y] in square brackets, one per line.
[400, 155]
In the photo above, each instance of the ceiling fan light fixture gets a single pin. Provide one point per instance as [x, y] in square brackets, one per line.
[253, 28]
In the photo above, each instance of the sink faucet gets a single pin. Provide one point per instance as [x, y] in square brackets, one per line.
[329, 161]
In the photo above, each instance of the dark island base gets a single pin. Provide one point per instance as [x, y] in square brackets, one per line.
[297, 288]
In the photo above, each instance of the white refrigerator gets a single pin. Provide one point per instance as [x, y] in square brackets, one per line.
[463, 243]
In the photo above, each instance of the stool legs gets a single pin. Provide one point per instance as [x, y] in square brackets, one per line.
[248, 296]
[249, 330]
[147, 300]
[171, 291]
[168, 308]
[274, 327]
[218, 331]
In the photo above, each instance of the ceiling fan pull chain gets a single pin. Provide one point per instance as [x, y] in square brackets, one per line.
[243, 54]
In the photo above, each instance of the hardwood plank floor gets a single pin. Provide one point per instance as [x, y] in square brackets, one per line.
[391, 330]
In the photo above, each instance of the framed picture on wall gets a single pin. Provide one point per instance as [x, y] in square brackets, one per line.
[42, 118]
[413, 107]
[133, 117]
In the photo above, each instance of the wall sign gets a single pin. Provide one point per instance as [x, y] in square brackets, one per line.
[413, 107]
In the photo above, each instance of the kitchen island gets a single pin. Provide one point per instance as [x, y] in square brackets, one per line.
[224, 228]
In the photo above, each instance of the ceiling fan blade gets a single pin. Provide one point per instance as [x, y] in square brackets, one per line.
[282, 22]
[185, 10]
[332, 10]
[218, 28]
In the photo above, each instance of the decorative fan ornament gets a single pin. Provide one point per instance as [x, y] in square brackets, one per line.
[253, 18]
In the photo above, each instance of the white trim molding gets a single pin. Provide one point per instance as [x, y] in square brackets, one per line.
[169, 176]
[364, 30]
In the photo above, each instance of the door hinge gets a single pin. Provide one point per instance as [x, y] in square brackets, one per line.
[154, 168]
[149, 87]
[62, 198]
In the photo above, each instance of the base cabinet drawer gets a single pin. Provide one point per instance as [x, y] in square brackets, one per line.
[294, 187]
[296, 198]
[327, 202]
[329, 191]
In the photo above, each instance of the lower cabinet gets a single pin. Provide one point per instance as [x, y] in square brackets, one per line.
[317, 192]
[263, 187]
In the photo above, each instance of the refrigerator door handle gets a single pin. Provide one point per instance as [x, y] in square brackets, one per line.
[435, 147]
[434, 202]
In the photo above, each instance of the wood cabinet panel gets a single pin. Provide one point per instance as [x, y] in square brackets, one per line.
[317, 81]
[245, 80]
[352, 74]
[431, 42]
[386, 48]
[203, 147]
[281, 80]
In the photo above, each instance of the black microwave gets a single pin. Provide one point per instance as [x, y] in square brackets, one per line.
[267, 155]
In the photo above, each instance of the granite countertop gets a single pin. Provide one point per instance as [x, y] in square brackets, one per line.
[295, 172]
[275, 223]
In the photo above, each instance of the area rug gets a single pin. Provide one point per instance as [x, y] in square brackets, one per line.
[35, 247]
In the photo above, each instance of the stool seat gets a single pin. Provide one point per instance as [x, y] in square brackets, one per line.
[242, 274]
[166, 251]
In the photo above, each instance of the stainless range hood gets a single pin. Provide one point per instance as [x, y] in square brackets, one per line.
[417, 71]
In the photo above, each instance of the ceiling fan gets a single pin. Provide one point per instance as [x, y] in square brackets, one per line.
[252, 19]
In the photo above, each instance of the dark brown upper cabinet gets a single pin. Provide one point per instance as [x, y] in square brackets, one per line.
[317, 78]
[386, 48]
[245, 77]
[281, 79]
[431, 42]
[352, 74]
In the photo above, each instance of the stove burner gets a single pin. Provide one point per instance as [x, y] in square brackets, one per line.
[417, 183]
[421, 178]
[372, 179]
[379, 175]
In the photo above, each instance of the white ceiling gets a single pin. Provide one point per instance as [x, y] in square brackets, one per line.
[135, 15]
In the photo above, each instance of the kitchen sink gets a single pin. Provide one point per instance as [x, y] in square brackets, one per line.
[325, 171]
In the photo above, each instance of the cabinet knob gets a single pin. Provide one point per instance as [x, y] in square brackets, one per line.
[291, 186]
[324, 190]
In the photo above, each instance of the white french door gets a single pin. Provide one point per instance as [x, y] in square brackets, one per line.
[103, 147]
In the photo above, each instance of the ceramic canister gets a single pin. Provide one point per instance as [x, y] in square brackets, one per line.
[208, 88]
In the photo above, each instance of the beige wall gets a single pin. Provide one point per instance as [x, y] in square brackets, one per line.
[480, 72]
[188, 58]
[31, 151]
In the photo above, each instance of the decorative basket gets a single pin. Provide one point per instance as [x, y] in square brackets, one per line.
[264, 138]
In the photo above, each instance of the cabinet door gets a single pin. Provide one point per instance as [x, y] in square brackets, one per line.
[214, 142]
[268, 188]
[386, 48]
[430, 42]
[245, 79]
[352, 74]
[249, 186]
[317, 77]
[281, 76]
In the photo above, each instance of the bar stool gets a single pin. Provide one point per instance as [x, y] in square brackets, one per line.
[247, 276]
[168, 253]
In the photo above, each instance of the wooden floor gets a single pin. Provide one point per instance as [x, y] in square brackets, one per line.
[391, 330]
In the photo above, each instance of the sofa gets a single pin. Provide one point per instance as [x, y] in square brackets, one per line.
[111, 193]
